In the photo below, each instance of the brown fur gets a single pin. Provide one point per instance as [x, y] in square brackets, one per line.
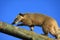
[48, 24]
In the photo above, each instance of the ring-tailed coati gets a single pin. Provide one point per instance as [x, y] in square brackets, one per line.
[48, 24]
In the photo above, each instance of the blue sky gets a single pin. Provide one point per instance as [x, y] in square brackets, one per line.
[9, 9]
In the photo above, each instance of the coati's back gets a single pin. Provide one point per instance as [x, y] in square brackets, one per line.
[37, 19]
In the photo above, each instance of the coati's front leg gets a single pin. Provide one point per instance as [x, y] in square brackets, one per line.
[21, 24]
[31, 28]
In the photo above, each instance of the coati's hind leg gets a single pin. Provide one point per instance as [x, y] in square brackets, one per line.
[45, 30]
[53, 32]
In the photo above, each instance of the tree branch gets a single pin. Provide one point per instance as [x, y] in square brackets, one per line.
[21, 33]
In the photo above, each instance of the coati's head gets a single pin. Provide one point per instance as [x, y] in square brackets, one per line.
[18, 19]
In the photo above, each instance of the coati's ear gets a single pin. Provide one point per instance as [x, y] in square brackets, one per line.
[21, 14]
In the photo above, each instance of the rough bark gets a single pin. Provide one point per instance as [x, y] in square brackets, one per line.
[21, 33]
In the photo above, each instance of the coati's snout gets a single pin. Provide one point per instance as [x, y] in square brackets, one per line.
[16, 21]
[13, 23]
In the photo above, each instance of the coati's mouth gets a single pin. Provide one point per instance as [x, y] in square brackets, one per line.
[15, 23]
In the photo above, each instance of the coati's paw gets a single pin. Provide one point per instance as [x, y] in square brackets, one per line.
[18, 25]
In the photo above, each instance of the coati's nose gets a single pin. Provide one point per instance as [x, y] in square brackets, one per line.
[13, 23]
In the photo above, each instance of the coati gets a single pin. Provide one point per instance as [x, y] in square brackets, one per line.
[48, 24]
